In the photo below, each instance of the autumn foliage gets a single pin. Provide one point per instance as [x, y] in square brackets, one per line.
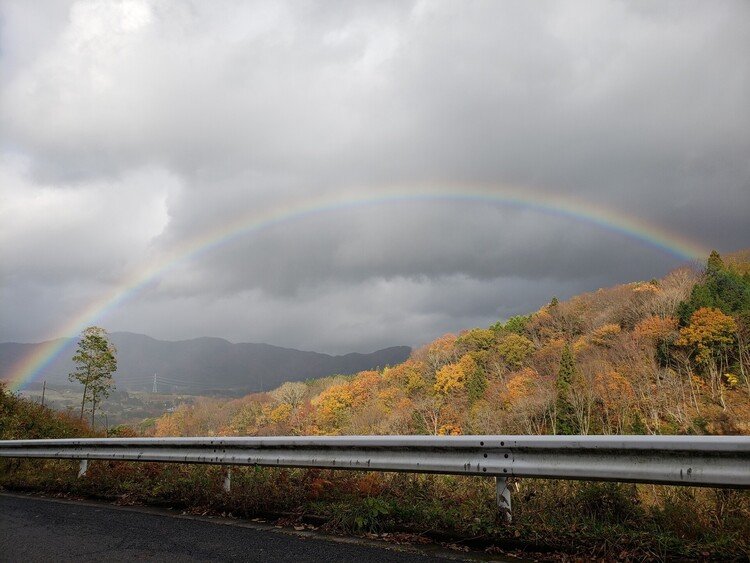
[616, 360]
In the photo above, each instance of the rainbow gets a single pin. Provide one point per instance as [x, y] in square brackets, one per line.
[671, 243]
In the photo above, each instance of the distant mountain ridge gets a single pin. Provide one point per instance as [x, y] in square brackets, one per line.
[205, 364]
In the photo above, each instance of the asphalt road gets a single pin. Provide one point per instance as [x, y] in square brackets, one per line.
[36, 529]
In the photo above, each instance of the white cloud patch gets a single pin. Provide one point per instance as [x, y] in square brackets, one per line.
[98, 229]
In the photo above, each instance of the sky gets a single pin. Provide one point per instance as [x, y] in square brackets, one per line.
[298, 173]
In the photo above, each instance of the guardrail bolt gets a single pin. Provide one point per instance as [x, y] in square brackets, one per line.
[83, 467]
[228, 480]
[502, 495]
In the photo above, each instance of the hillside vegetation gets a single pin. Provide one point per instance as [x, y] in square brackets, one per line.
[664, 356]
[669, 356]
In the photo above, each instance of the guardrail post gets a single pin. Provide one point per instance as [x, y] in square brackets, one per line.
[228, 480]
[502, 495]
[83, 467]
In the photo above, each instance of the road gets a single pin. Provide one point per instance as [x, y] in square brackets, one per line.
[38, 529]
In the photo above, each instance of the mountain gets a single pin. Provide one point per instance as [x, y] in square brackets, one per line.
[205, 364]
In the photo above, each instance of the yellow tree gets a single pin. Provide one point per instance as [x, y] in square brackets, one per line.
[364, 387]
[281, 413]
[407, 376]
[709, 335]
[450, 378]
[454, 377]
[332, 407]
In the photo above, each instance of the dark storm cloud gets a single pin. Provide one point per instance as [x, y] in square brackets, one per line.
[127, 128]
[417, 240]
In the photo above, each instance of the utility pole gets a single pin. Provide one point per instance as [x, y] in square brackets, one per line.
[154, 389]
[44, 388]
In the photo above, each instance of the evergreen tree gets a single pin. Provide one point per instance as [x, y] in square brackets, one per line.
[476, 384]
[564, 411]
[714, 263]
[517, 324]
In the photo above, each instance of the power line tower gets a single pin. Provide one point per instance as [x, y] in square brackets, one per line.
[154, 389]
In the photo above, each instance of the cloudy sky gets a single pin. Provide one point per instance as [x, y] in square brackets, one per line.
[132, 132]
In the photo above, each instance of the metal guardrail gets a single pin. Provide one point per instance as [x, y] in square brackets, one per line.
[710, 461]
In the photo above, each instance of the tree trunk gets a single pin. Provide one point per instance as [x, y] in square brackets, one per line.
[93, 410]
[83, 400]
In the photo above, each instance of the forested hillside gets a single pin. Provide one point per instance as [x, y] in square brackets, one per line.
[666, 356]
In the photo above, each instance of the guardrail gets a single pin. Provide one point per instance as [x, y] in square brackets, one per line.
[709, 461]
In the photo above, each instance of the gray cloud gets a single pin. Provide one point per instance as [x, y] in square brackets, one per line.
[128, 128]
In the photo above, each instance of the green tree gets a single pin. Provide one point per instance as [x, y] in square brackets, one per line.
[96, 361]
[515, 350]
[722, 288]
[565, 419]
[476, 382]
[475, 339]
[517, 324]
[714, 263]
